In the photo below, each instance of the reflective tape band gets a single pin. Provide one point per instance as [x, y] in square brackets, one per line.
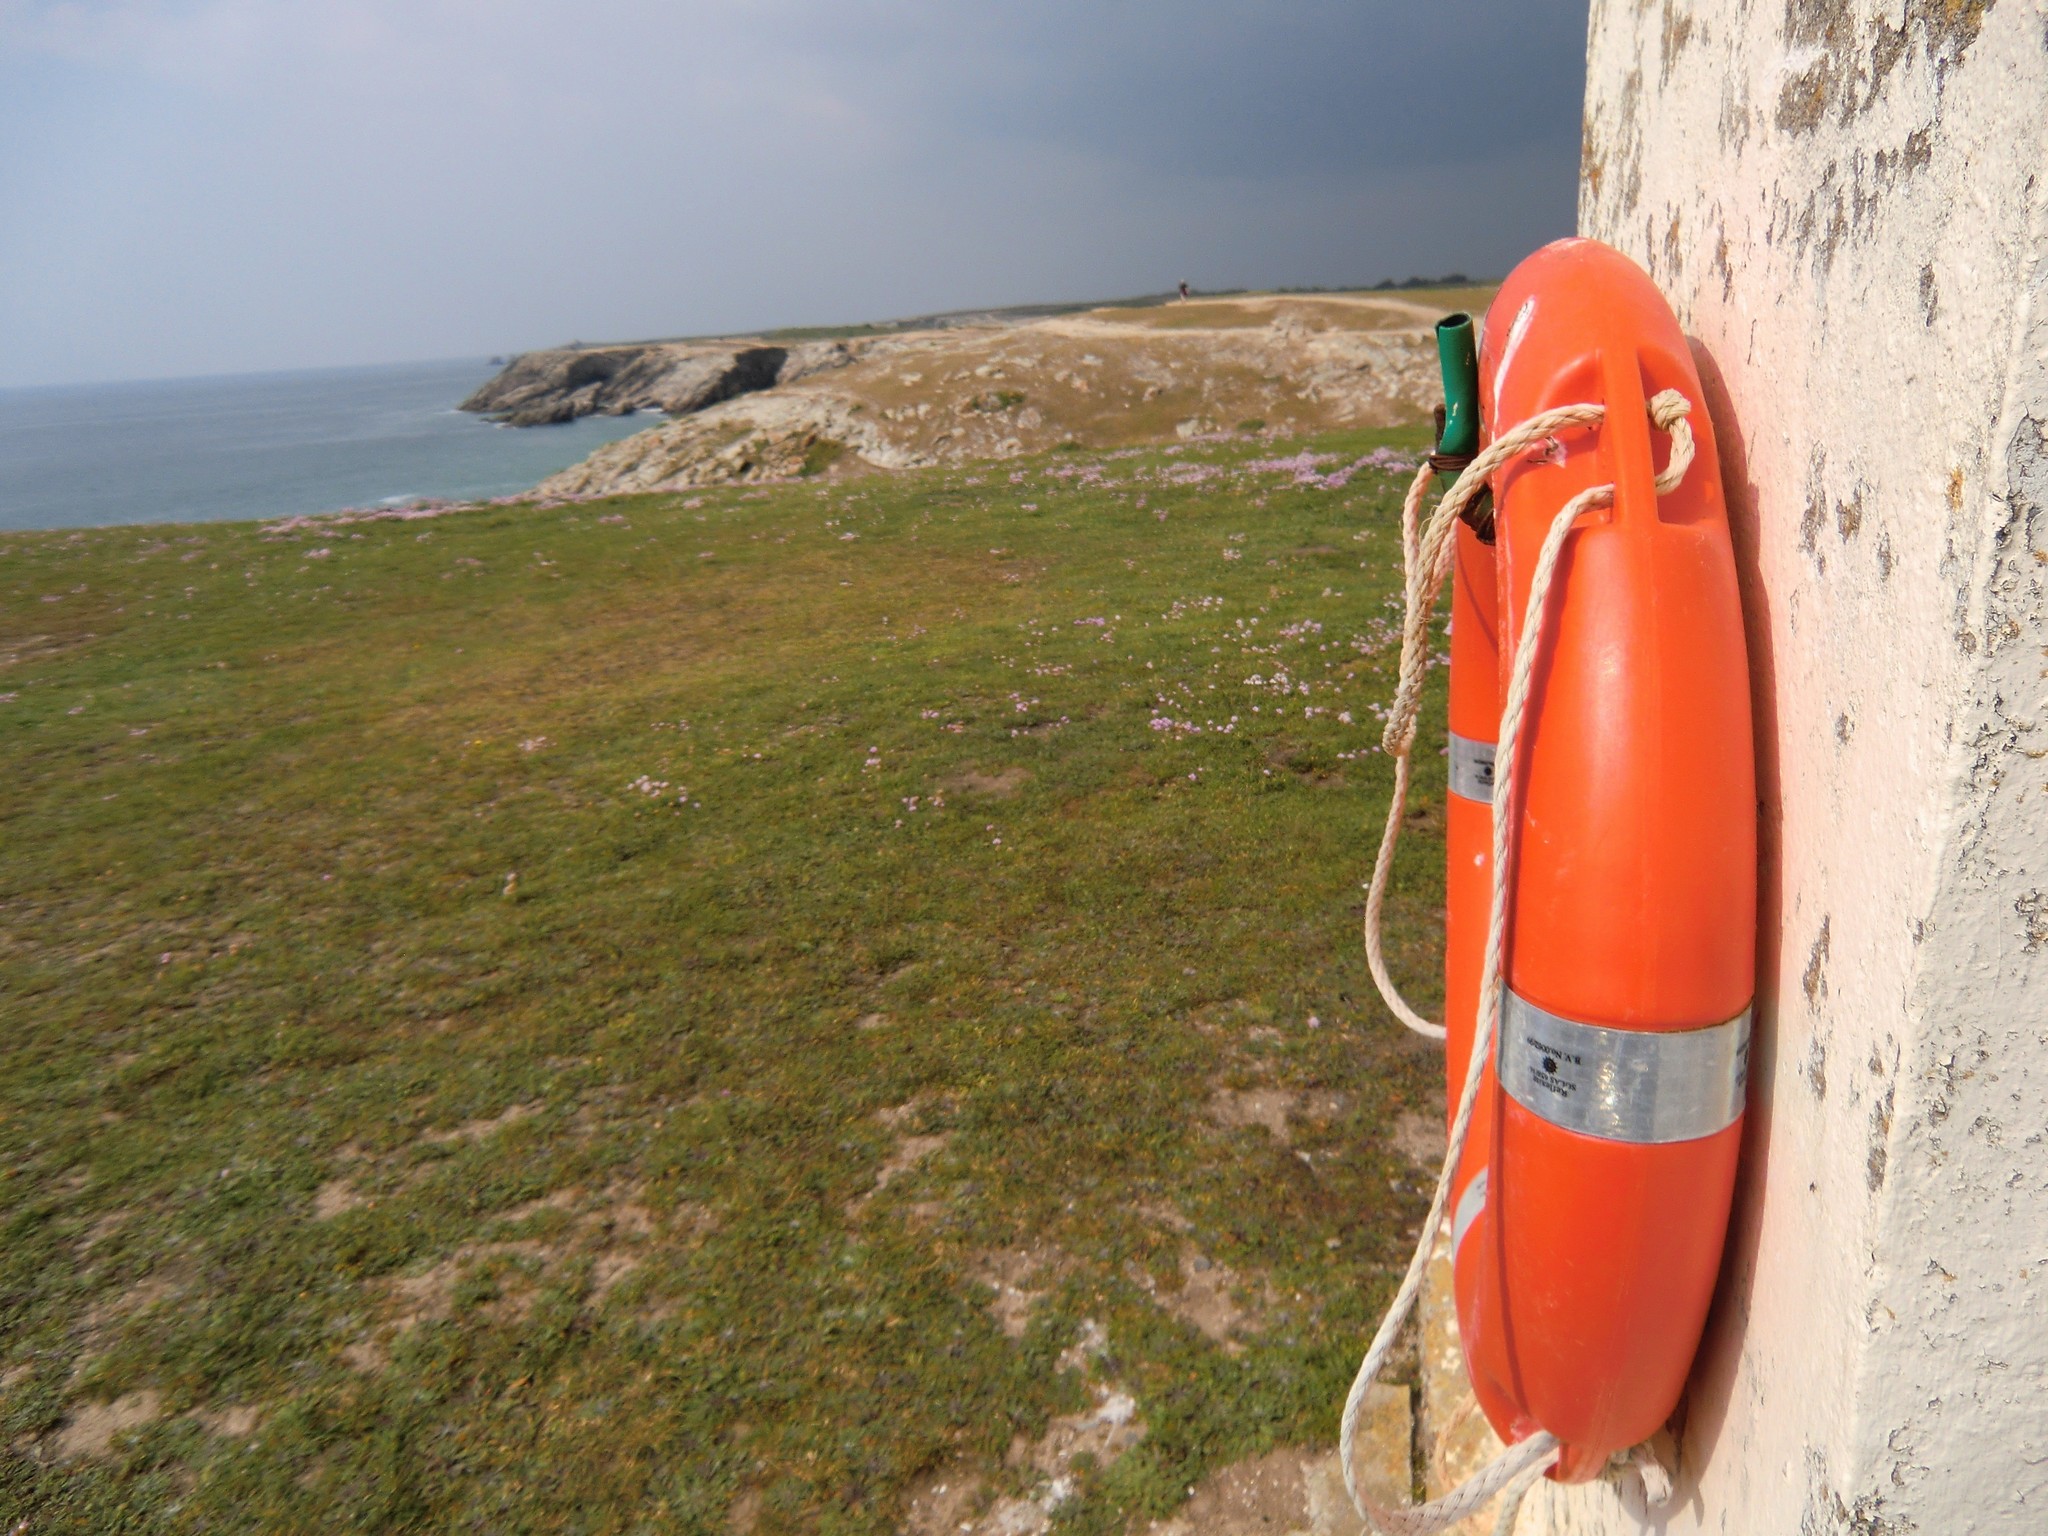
[1624, 1084]
[1472, 769]
[1470, 1205]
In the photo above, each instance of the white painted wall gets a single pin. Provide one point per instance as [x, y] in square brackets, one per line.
[1847, 203]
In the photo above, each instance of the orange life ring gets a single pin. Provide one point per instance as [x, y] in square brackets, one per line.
[1590, 1206]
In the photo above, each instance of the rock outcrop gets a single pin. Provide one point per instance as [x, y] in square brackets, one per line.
[542, 388]
[773, 436]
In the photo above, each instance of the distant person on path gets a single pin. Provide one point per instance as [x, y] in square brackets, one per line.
[1183, 290]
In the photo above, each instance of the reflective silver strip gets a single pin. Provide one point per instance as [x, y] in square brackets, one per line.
[1472, 769]
[1624, 1084]
[1470, 1204]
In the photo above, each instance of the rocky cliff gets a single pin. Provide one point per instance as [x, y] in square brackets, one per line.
[541, 388]
[747, 410]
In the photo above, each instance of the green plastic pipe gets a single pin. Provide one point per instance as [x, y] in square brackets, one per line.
[1458, 352]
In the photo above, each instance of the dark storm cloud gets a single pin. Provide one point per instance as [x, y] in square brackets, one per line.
[1236, 88]
[194, 185]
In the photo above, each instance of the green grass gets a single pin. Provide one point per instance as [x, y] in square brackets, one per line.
[465, 980]
[821, 456]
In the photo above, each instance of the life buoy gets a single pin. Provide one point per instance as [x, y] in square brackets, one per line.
[1601, 882]
[1589, 1209]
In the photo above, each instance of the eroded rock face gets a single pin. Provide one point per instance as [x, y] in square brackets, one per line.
[541, 388]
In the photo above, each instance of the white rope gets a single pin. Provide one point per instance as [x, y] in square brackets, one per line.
[1655, 1476]
[1511, 1502]
[1428, 556]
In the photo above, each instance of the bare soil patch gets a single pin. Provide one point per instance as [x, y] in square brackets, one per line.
[956, 1501]
[1277, 1109]
[476, 1130]
[1420, 1138]
[1019, 1279]
[1300, 1492]
[609, 1229]
[1207, 1299]
[90, 1429]
[910, 1151]
[944, 1503]
[233, 1423]
[335, 1197]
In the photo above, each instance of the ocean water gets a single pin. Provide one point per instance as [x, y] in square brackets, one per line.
[268, 445]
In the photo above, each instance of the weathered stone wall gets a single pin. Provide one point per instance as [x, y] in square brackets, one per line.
[1847, 202]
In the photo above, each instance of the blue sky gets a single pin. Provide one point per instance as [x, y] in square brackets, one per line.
[202, 186]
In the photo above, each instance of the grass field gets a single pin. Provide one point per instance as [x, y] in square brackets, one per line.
[715, 1014]
[1369, 311]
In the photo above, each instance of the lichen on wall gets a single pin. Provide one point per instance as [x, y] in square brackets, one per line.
[1847, 203]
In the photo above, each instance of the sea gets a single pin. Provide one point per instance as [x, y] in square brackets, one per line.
[269, 445]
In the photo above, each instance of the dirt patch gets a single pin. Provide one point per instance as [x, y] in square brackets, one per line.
[607, 1272]
[236, 1423]
[943, 1504]
[910, 1112]
[957, 1501]
[1235, 1108]
[1265, 1496]
[608, 1230]
[426, 1297]
[1277, 1109]
[90, 1429]
[334, 1197]
[1159, 1214]
[745, 1514]
[1000, 785]
[1319, 1106]
[1420, 1138]
[429, 1297]
[1301, 1492]
[911, 1147]
[909, 1152]
[1019, 1279]
[1104, 1432]
[619, 1211]
[693, 1218]
[1207, 1299]
[1090, 1346]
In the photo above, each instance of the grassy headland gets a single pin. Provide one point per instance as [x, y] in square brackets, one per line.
[719, 1013]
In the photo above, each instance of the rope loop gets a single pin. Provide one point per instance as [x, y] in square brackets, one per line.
[1654, 1475]
[1427, 551]
[1668, 409]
